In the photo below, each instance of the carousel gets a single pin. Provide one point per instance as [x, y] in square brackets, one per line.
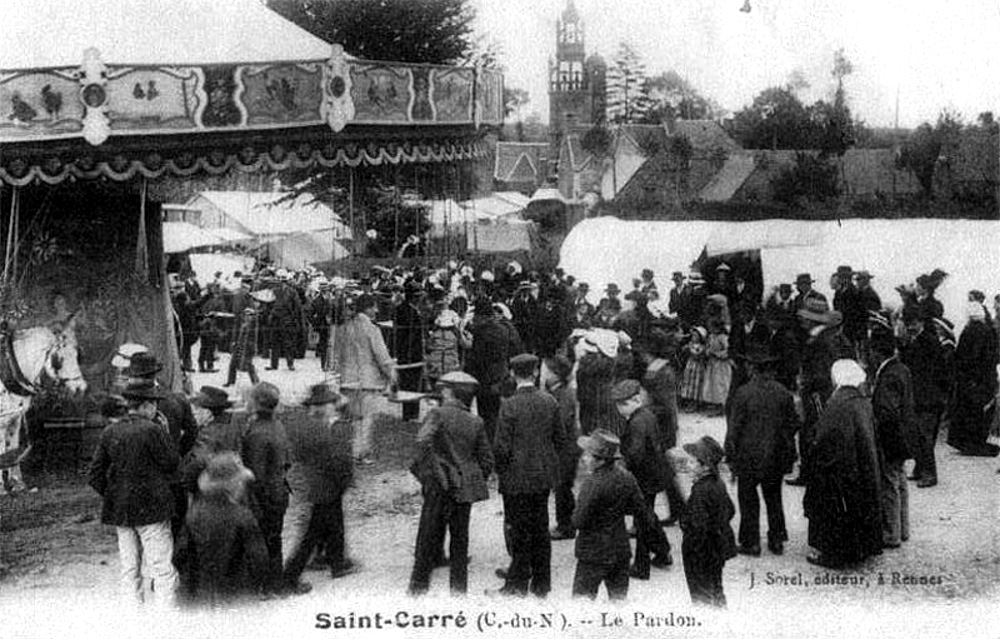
[106, 115]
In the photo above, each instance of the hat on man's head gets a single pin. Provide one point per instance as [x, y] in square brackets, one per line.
[143, 364]
[844, 271]
[123, 357]
[847, 372]
[817, 310]
[863, 276]
[265, 395]
[677, 276]
[142, 389]
[601, 443]
[706, 450]
[647, 273]
[523, 364]
[695, 277]
[264, 295]
[625, 389]
[224, 472]
[723, 267]
[757, 353]
[458, 379]
[804, 278]
[212, 398]
[322, 394]
[612, 288]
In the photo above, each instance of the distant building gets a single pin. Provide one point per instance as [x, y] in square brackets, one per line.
[576, 82]
[521, 166]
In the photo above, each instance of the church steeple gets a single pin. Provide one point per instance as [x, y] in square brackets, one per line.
[576, 85]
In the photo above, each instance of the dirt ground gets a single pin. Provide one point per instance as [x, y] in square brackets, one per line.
[59, 564]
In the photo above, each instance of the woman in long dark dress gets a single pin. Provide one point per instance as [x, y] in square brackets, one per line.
[842, 495]
[975, 387]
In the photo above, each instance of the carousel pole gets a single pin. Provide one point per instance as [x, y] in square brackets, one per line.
[10, 256]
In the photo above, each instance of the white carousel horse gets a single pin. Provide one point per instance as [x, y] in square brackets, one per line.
[25, 354]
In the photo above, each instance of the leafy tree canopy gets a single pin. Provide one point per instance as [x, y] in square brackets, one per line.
[423, 31]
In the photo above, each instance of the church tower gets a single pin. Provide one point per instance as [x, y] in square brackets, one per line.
[574, 102]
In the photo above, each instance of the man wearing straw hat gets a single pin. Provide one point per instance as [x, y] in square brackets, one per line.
[606, 496]
[132, 470]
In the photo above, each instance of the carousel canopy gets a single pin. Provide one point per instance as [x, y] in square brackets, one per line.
[55, 33]
[176, 88]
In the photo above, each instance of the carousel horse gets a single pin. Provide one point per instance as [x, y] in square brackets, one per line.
[26, 355]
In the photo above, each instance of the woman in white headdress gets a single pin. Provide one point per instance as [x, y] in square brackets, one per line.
[842, 494]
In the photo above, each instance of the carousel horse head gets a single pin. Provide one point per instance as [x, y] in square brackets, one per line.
[30, 351]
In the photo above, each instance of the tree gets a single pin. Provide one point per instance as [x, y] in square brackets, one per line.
[673, 97]
[628, 98]
[811, 179]
[921, 151]
[776, 119]
[425, 31]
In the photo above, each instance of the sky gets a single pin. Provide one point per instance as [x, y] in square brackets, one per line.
[933, 54]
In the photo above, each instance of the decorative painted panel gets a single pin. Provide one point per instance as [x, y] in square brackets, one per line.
[274, 94]
[381, 93]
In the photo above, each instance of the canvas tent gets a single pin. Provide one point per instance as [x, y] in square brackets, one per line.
[603, 250]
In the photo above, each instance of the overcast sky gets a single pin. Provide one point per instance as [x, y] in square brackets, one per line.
[935, 53]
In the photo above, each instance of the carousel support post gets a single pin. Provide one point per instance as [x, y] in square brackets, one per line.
[10, 256]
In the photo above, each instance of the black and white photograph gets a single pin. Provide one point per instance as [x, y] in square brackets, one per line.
[513, 318]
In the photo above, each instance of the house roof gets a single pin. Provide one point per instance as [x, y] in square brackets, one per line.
[645, 136]
[577, 156]
[519, 161]
[870, 171]
[55, 33]
[259, 213]
[734, 172]
[704, 135]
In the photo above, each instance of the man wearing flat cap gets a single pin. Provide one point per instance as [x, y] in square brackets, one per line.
[453, 450]
[642, 446]
[529, 438]
[133, 468]
[607, 495]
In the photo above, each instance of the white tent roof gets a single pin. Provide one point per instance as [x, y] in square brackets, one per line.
[305, 249]
[546, 194]
[54, 33]
[229, 235]
[256, 212]
[604, 250]
[183, 236]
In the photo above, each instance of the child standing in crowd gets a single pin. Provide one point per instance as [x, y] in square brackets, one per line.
[718, 366]
[708, 536]
[694, 371]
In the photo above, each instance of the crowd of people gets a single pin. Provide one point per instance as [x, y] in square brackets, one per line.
[530, 372]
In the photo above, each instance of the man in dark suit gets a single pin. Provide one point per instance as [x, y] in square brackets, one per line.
[606, 496]
[892, 406]
[803, 284]
[642, 446]
[321, 471]
[493, 344]
[452, 444]
[134, 464]
[408, 345]
[925, 357]
[760, 448]
[529, 436]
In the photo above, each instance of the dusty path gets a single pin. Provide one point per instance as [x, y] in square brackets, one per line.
[67, 564]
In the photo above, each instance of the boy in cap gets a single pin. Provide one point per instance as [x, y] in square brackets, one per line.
[220, 550]
[608, 494]
[265, 452]
[453, 446]
[132, 470]
[642, 446]
[708, 537]
[529, 436]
